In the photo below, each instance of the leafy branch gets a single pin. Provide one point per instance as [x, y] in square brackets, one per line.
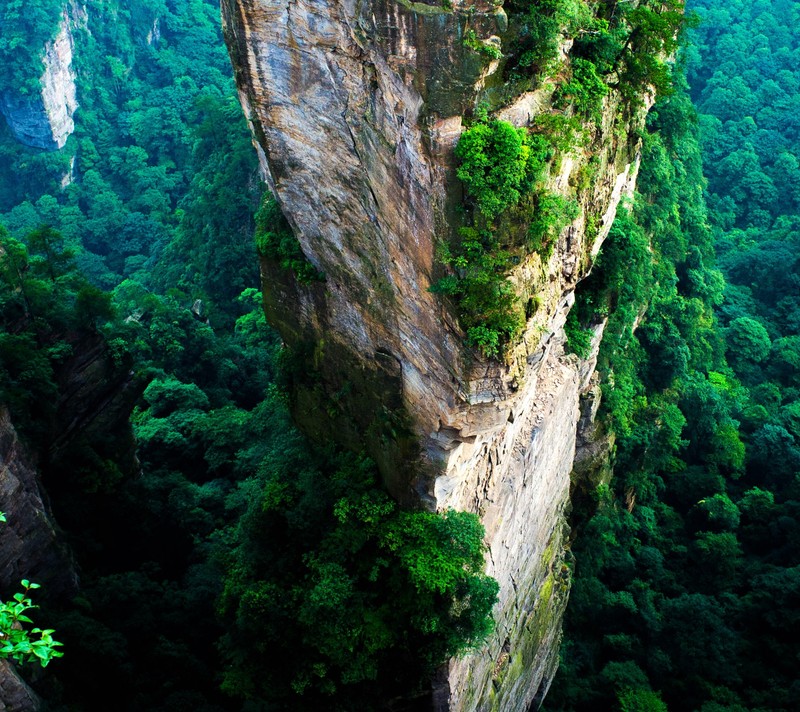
[16, 642]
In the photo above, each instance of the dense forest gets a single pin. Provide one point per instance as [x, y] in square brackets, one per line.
[687, 584]
[166, 167]
[230, 528]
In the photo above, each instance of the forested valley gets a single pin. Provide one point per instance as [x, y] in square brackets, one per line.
[225, 560]
[687, 579]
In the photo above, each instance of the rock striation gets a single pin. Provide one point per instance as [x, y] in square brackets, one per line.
[356, 109]
[45, 120]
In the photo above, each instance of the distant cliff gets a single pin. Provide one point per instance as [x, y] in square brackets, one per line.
[356, 109]
[44, 119]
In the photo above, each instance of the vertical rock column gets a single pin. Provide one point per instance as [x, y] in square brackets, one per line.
[356, 108]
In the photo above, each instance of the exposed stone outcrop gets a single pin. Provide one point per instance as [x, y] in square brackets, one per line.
[45, 120]
[29, 549]
[15, 695]
[96, 396]
[356, 109]
[96, 393]
[154, 33]
[518, 478]
[29, 544]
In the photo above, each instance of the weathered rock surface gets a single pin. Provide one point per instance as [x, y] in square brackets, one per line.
[95, 398]
[15, 695]
[45, 119]
[96, 394]
[356, 108]
[29, 549]
[29, 544]
[518, 478]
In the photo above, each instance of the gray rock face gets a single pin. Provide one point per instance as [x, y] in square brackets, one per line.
[95, 399]
[29, 544]
[29, 549]
[45, 120]
[518, 478]
[15, 695]
[356, 109]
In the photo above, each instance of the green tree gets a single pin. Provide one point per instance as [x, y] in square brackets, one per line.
[631, 700]
[498, 163]
[747, 341]
[19, 643]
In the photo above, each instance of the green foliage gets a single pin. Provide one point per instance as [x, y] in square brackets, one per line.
[719, 512]
[169, 395]
[747, 341]
[631, 700]
[579, 339]
[163, 164]
[565, 133]
[27, 26]
[487, 49]
[500, 167]
[165, 187]
[498, 163]
[215, 216]
[681, 558]
[375, 596]
[44, 303]
[19, 643]
[584, 91]
[544, 24]
[633, 40]
[490, 309]
[553, 214]
[654, 33]
[275, 241]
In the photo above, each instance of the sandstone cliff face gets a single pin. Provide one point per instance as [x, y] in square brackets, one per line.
[356, 109]
[45, 120]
